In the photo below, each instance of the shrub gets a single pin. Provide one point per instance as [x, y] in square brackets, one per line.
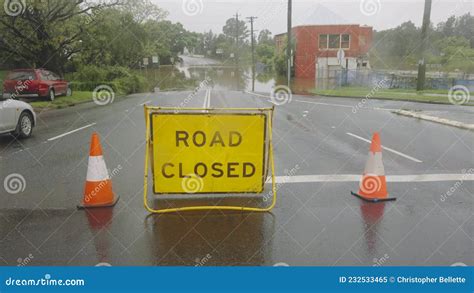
[132, 84]
[90, 86]
[90, 73]
[120, 79]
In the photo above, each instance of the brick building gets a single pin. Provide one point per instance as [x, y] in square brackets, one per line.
[317, 48]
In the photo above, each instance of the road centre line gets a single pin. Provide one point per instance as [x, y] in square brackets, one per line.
[387, 149]
[356, 178]
[71, 132]
[207, 99]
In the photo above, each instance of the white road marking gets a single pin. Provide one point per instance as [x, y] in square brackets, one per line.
[145, 103]
[258, 95]
[71, 132]
[207, 99]
[357, 178]
[325, 104]
[387, 149]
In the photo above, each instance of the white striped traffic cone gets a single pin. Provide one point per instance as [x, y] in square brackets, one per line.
[373, 187]
[98, 189]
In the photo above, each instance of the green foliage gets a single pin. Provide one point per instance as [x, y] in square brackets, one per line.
[450, 48]
[265, 37]
[120, 79]
[132, 84]
[265, 53]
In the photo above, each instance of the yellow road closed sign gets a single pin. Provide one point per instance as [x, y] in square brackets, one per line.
[208, 152]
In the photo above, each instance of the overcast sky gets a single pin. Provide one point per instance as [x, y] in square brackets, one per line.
[205, 15]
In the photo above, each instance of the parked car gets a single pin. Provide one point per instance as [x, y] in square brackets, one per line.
[16, 117]
[34, 83]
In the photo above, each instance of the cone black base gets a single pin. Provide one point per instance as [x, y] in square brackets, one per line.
[373, 200]
[82, 207]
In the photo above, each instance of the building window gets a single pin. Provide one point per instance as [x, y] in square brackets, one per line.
[345, 41]
[323, 41]
[334, 41]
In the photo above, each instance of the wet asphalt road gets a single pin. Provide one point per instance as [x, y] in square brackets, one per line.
[314, 223]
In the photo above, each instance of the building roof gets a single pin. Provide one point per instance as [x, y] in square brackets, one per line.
[323, 25]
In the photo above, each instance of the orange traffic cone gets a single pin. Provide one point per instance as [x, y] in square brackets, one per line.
[98, 190]
[373, 187]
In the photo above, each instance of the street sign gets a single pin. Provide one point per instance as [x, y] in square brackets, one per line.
[155, 59]
[221, 153]
[145, 61]
[211, 151]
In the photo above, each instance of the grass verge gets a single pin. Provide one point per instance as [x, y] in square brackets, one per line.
[429, 96]
[64, 102]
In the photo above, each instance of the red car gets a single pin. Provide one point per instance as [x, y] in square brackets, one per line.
[33, 83]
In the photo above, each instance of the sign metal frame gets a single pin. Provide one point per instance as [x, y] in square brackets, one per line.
[268, 162]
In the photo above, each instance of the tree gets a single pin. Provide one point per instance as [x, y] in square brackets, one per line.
[265, 53]
[46, 33]
[101, 45]
[143, 10]
[265, 37]
[233, 30]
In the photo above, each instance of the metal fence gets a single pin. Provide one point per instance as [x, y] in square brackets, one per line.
[390, 80]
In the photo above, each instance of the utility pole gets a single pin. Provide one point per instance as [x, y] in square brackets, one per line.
[424, 39]
[288, 49]
[236, 39]
[252, 41]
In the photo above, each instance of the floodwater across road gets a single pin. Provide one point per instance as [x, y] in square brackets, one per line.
[316, 220]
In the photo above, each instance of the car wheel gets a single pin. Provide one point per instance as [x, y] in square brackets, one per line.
[69, 92]
[52, 95]
[24, 128]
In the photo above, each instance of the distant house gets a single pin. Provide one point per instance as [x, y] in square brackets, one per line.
[317, 48]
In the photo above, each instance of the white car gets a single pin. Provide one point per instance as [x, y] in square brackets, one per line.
[17, 118]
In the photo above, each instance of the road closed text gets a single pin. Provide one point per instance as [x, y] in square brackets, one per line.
[226, 151]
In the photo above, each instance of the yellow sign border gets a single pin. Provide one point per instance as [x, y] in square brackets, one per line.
[148, 110]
